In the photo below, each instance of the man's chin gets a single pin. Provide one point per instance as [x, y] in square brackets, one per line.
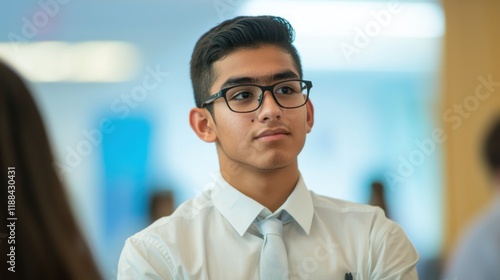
[275, 162]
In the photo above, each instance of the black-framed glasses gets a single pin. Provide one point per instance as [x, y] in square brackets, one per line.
[248, 98]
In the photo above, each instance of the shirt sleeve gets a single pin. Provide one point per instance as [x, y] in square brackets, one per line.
[145, 258]
[392, 255]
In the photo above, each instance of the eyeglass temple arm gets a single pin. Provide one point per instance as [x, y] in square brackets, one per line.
[211, 99]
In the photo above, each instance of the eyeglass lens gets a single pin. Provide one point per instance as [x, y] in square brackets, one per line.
[289, 94]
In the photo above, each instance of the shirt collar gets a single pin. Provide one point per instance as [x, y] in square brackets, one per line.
[241, 211]
[299, 205]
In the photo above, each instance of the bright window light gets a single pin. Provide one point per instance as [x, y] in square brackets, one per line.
[92, 61]
[355, 35]
[337, 18]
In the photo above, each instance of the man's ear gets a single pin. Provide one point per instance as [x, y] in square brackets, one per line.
[203, 125]
[310, 115]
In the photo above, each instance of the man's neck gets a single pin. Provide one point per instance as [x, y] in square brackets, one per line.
[270, 188]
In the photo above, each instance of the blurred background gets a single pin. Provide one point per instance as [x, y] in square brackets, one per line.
[395, 92]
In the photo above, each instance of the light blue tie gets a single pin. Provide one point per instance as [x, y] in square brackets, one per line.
[273, 259]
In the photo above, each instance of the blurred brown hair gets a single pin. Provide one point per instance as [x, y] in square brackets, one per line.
[491, 146]
[48, 242]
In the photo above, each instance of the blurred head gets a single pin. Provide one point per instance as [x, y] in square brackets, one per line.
[230, 35]
[491, 148]
[48, 244]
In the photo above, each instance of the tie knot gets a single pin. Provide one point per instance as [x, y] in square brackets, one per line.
[270, 226]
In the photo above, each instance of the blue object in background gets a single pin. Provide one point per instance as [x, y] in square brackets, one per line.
[125, 152]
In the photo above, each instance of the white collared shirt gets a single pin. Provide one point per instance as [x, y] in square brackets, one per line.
[212, 237]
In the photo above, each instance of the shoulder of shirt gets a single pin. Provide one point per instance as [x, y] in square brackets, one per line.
[343, 206]
[356, 213]
[356, 217]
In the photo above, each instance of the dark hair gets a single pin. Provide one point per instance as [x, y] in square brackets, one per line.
[491, 146]
[48, 243]
[230, 35]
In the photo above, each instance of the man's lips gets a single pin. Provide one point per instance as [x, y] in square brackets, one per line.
[272, 134]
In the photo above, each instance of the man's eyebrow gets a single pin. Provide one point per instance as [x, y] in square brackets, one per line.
[284, 75]
[255, 80]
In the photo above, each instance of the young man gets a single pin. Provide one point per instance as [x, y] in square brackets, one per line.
[260, 221]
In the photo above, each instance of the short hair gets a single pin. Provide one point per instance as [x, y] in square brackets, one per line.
[233, 34]
[491, 146]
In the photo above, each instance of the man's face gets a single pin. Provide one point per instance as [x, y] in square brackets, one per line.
[271, 137]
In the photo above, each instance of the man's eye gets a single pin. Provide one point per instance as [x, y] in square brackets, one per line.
[285, 90]
[242, 95]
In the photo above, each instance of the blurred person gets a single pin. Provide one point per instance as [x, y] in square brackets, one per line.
[478, 254]
[260, 221]
[377, 196]
[161, 205]
[44, 241]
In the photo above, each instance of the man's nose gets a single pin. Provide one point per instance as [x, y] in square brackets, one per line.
[269, 109]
